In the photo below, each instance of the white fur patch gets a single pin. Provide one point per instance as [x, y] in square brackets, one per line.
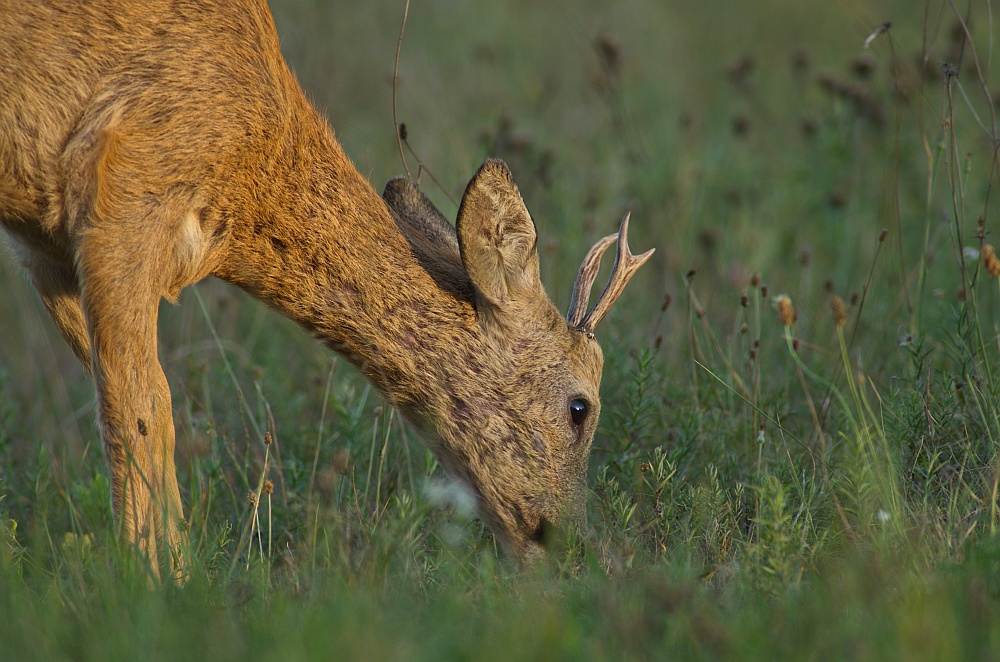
[190, 247]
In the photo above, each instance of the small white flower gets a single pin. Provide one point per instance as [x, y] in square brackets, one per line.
[451, 494]
[971, 252]
[883, 516]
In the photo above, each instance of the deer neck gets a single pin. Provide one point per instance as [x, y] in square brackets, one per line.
[320, 246]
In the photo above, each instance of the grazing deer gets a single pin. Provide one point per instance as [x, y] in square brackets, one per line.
[147, 145]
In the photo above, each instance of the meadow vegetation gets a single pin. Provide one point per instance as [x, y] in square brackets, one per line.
[798, 452]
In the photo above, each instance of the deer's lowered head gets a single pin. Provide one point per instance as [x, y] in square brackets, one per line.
[513, 400]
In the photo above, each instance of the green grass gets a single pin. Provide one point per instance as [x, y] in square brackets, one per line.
[757, 490]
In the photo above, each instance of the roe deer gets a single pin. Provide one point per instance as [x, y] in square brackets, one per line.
[147, 145]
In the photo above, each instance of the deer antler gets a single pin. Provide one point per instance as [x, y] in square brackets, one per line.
[585, 280]
[626, 264]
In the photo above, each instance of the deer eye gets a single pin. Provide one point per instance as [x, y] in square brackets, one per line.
[578, 411]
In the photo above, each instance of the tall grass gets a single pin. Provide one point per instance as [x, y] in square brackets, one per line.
[798, 455]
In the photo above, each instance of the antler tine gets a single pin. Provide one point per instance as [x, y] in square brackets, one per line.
[585, 280]
[625, 267]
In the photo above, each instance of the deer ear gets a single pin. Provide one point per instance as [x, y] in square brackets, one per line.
[413, 208]
[497, 237]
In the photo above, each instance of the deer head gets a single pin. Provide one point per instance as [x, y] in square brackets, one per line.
[521, 402]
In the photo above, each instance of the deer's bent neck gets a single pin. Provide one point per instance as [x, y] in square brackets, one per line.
[316, 242]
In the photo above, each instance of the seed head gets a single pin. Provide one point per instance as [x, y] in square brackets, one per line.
[268, 487]
[342, 461]
[609, 50]
[708, 239]
[741, 69]
[755, 280]
[862, 66]
[990, 260]
[741, 126]
[786, 311]
[839, 309]
[800, 61]
[268, 438]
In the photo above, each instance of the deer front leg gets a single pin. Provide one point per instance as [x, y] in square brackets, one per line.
[120, 304]
[60, 292]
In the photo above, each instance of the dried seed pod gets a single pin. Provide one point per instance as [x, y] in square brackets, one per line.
[990, 260]
[786, 311]
[839, 309]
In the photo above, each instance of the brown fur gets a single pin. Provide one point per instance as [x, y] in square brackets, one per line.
[146, 145]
